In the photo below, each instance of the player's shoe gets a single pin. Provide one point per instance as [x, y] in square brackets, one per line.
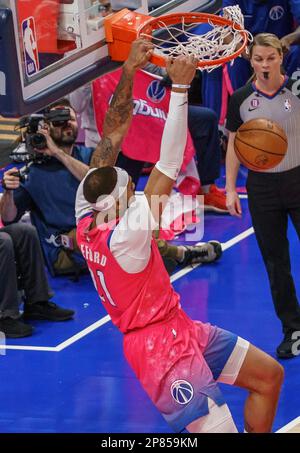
[215, 200]
[205, 253]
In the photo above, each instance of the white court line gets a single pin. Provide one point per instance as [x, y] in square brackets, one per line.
[289, 426]
[64, 344]
[29, 348]
[226, 245]
[83, 333]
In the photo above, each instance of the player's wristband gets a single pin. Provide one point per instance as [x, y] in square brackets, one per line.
[178, 85]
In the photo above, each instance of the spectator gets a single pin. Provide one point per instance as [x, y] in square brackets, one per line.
[22, 264]
[49, 194]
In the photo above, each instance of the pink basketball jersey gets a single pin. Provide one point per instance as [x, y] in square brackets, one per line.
[135, 300]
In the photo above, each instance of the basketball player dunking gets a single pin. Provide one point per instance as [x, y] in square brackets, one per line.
[273, 195]
[179, 362]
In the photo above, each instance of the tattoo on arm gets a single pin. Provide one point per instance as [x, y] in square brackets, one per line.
[102, 155]
[121, 104]
[116, 123]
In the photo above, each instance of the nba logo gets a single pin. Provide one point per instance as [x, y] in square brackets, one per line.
[31, 56]
[287, 105]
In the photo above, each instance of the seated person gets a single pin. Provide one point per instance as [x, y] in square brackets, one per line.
[49, 192]
[21, 257]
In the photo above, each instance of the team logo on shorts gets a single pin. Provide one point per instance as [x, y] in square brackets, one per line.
[182, 391]
[156, 92]
[276, 13]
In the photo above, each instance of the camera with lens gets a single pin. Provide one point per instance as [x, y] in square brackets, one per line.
[32, 140]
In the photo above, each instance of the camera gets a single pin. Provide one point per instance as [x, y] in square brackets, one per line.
[34, 139]
[31, 140]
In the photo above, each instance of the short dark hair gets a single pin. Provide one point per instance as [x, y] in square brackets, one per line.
[60, 102]
[102, 181]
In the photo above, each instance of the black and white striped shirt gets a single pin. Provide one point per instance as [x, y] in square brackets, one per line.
[283, 107]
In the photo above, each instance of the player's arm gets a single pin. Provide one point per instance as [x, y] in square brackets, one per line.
[294, 37]
[232, 167]
[161, 180]
[119, 114]
[290, 39]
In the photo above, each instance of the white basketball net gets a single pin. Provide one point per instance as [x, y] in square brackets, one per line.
[221, 41]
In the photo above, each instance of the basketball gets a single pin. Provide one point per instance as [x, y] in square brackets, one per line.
[260, 144]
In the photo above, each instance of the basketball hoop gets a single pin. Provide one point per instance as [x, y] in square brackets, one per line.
[225, 40]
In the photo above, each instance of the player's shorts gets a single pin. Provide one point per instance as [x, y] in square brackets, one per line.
[180, 361]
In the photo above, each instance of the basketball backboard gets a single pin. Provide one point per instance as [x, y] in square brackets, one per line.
[48, 48]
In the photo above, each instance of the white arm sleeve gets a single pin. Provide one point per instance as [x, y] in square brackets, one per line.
[130, 242]
[174, 136]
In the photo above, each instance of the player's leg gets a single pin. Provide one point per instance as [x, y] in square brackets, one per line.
[168, 361]
[234, 361]
[218, 420]
[263, 377]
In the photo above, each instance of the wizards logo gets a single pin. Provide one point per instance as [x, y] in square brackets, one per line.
[182, 391]
[156, 92]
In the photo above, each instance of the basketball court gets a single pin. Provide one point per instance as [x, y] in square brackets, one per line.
[72, 377]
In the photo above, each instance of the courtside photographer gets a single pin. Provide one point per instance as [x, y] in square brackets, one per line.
[47, 185]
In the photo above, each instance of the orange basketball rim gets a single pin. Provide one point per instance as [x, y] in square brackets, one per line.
[125, 26]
